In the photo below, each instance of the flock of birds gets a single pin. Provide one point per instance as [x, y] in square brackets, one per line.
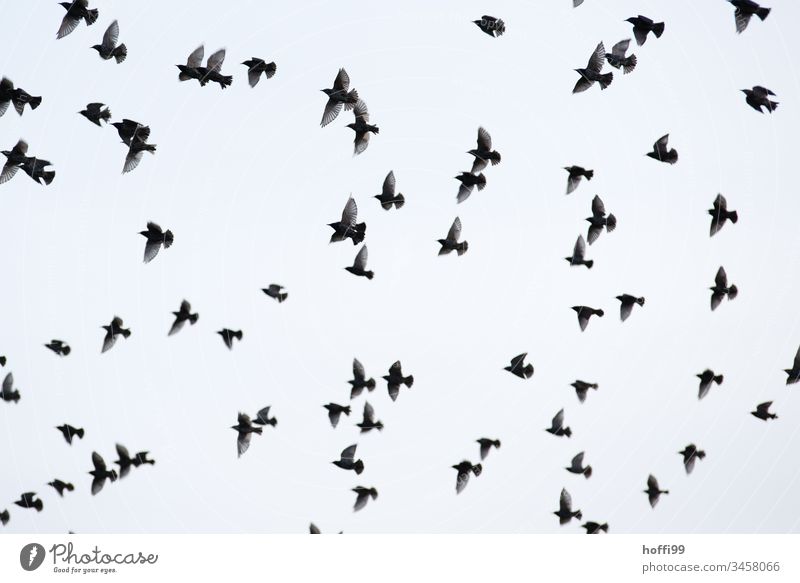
[340, 97]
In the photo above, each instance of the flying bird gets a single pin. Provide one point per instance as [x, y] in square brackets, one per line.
[582, 389]
[690, 455]
[368, 422]
[483, 153]
[69, 432]
[348, 227]
[362, 496]
[36, 168]
[595, 528]
[183, 315]
[100, 473]
[347, 460]
[14, 160]
[256, 67]
[135, 136]
[387, 197]
[722, 289]
[464, 469]
[245, 429]
[126, 461]
[8, 393]
[617, 59]
[362, 128]
[662, 152]
[360, 380]
[277, 292]
[61, 486]
[626, 303]
[263, 418]
[579, 253]
[229, 335]
[759, 97]
[575, 175]
[565, 513]
[584, 313]
[707, 377]
[113, 330]
[577, 467]
[95, 113]
[721, 215]
[598, 220]
[653, 492]
[76, 11]
[109, 48]
[359, 266]
[335, 412]
[211, 72]
[339, 95]
[5, 516]
[156, 238]
[313, 529]
[60, 347]
[592, 72]
[468, 183]
[492, 26]
[746, 9]
[29, 500]
[486, 445]
[17, 96]
[762, 411]
[793, 374]
[451, 242]
[557, 426]
[642, 26]
[519, 368]
[395, 378]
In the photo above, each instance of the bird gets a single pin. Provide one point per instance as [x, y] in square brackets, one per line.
[793, 374]
[109, 48]
[762, 411]
[626, 305]
[96, 112]
[126, 461]
[135, 136]
[468, 182]
[113, 330]
[313, 529]
[229, 335]
[592, 72]
[759, 97]
[8, 393]
[519, 368]
[335, 412]
[362, 128]
[464, 469]
[77, 10]
[557, 426]
[595, 528]
[744, 10]
[387, 197]
[451, 242]
[395, 378]
[617, 59]
[14, 160]
[690, 455]
[359, 266]
[263, 418]
[135, 153]
[69, 432]
[211, 72]
[156, 238]
[492, 26]
[256, 67]
[29, 500]
[3, 361]
[368, 422]
[662, 153]
[277, 292]
[579, 253]
[16, 96]
[360, 380]
[707, 377]
[347, 460]
[575, 175]
[721, 215]
[59, 347]
[565, 513]
[339, 95]
[598, 220]
[6, 94]
[486, 445]
[584, 313]
[183, 315]
[653, 492]
[642, 26]
[100, 473]
[193, 62]
[245, 429]
[582, 389]
[577, 467]
[5, 516]
[60, 486]
[483, 153]
[36, 169]
[362, 496]
[722, 289]
[348, 227]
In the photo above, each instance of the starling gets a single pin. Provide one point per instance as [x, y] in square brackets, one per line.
[584, 313]
[362, 496]
[706, 378]
[19, 97]
[575, 175]
[483, 153]
[228, 336]
[387, 197]
[598, 220]
[577, 467]
[762, 411]
[69, 432]
[348, 227]
[36, 169]
[211, 72]
[565, 513]
[492, 26]
[77, 10]
[451, 243]
[135, 136]
[395, 378]
[4, 517]
[255, 67]
[29, 500]
[183, 315]
[557, 426]
[368, 422]
[14, 160]
[96, 112]
[8, 393]
[592, 74]
[156, 237]
[744, 10]
[335, 412]
[347, 460]
[653, 492]
[360, 380]
[141, 459]
[720, 215]
[263, 418]
[617, 59]
[582, 389]
[519, 368]
[339, 95]
[661, 153]
[793, 374]
[277, 292]
[643, 25]
[100, 473]
[60, 347]
[109, 48]
[60, 486]
[626, 305]
[362, 128]
[759, 97]
[578, 253]
[594, 527]
[464, 469]
[245, 429]
[468, 182]
[722, 289]
[113, 330]
[359, 266]
[486, 445]
[690, 455]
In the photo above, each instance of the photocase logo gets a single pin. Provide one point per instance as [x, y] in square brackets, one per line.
[32, 556]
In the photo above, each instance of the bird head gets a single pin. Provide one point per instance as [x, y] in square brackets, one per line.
[327, 91]
[352, 126]
[6, 153]
[632, 20]
[66, 5]
[97, 47]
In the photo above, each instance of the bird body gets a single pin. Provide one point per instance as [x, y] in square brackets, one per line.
[565, 513]
[793, 374]
[464, 469]
[759, 97]
[109, 49]
[76, 11]
[257, 67]
[492, 26]
[451, 242]
[627, 302]
[228, 336]
[642, 26]
[362, 496]
[395, 379]
[16, 96]
[348, 227]
[592, 74]
[483, 153]
[339, 95]
[519, 368]
[347, 460]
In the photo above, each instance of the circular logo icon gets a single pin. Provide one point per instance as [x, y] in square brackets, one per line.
[31, 556]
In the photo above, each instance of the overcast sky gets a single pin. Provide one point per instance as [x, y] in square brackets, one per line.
[247, 181]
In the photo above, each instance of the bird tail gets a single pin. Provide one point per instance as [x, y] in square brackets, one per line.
[579, 515]
[359, 467]
[379, 426]
[272, 422]
[238, 334]
[399, 201]
[477, 469]
[48, 176]
[369, 274]
[496, 443]
[282, 296]
[2, 361]
[640, 301]
[370, 385]
[587, 473]
[495, 158]
[629, 64]
[120, 53]
[70, 487]
[91, 16]
[35, 102]
[169, 238]
[605, 80]
[772, 416]
[603, 527]
[733, 216]
[762, 13]
[352, 99]
[66, 350]
[589, 174]
[193, 318]
[719, 378]
[589, 263]
[346, 410]
[462, 248]
[733, 291]
[106, 115]
[600, 313]
[611, 223]
[258, 430]
[150, 148]
[658, 28]
[701, 454]
[38, 505]
[79, 433]
[226, 81]
[408, 381]
[481, 184]
[568, 432]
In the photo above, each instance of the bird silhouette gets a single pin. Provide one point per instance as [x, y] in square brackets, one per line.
[335, 412]
[183, 315]
[156, 238]
[486, 446]
[745, 9]
[60, 486]
[662, 152]
[595, 528]
[483, 153]
[359, 266]
[707, 377]
[557, 426]
[368, 422]
[626, 303]
[584, 313]
[77, 10]
[492, 26]
[599, 220]
[348, 227]
[762, 411]
[109, 48]
[212, 71]
[464, 469]
[759, 97]
[263, 418]
[360, 380]
[5, 516]
[362, 128]
[256, 67]
[125, 461]
[576, 173]
[519, 368]
[395, 379]
[577, 467]
[617, 59]
[95, 113]
[690, 455]
[565, 513]
[100, 473]
[469, 182]
[642, 26]
[339, 95]
[721, 215]
[191, 69]
[362, 496]
[653, 491]
[29, 500]
[69, 432]
[113, 330]
[229, 335]
[451, 241]
[592, 73]
[387, 197]
[793, 374]
[245, 429]
[59, 347]
[8, 393]
[347, 460]
[579, 254]
[277, 292]
[722, 289]
[582, 389]
[16, 96]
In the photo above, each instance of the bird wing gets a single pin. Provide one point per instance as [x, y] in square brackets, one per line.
[342, 81]
[572, 182]
[625, 310]
[358, 370]
[9, 171]
[763, 408]
[21, 147]
[97, 485]
[461, 481]
[661, 144]
[122, 452]
[580, 248]
[689, 463]
[263, 415]
[151, 249]
[619, 49]
[485, 447]
[721, 279]
[68, 24]
[332, 109]
[577, 461]
[361, 259]
[516, 362]
[349, 453]
[361, 112]
[215, 61]
[99, 462]
[361, 143]
[177, 326]
[8, 383]
[369, 413]
[109, 341]
[389, 184]
[464, 191]
[594, 233]
[597, 59]
[132, 161]
[598, 208]
[716, 299]
[558, 420]
[111, 36]
[363, 496]
[94, 108]
[196, 57]
[582, 85]
[333, 416]
[243, 443]
[454, 233]
[742, 20]
[350, 212]
[652, 483]
[478, 166]
[253, 76]
[244, 419]
[583, 318]
[565, 501]
[484, 140]
[797, 359]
